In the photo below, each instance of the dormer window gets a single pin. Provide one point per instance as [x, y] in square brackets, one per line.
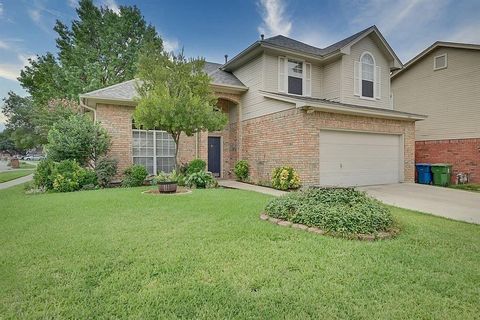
[294, 76]
[367, 77]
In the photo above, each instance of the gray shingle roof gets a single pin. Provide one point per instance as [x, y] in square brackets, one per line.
[127, 90]
[221, 77]
[291, 44]
[120, 91]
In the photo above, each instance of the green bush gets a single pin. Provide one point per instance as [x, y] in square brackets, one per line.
[134, 176]
[337, 210]
[285, 178]
[88, 178]
[77, 138]
[105, 170]
[201, 180]
[241, 170]
[44, 174]
[196, 165]
[68, 176]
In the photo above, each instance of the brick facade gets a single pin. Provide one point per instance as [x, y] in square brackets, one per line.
[117, 119]
[462, 154]
[292, 138]
[285, 138]
[118, 122]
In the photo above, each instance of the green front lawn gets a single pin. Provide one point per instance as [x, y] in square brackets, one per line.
[118, 253]
[14, 174]
[474, 187]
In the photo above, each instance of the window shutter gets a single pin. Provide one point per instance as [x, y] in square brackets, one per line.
[356, 78]
[281, 74]
[378, 82]
[308, 79]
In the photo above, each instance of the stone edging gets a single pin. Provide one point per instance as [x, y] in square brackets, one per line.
[359, 236]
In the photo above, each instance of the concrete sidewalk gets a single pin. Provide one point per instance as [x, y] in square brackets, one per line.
[250, 187]
[449, 203]
[16, 182]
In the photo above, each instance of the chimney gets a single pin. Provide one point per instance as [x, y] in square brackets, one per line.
[226, 58]
[262, 36]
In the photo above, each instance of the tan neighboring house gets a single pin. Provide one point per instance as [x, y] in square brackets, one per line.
[443, 82]
[325, 111]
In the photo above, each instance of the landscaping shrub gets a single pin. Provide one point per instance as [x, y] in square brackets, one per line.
[241, 170]
[105, 170]
[285, 178]
[88, 180]
[196, 165]
[337, 210]
[77, 138]
[134, 176]
[44, 174]
[201, 180]
[68, 176]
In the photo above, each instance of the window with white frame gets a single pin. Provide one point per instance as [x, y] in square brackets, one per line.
[440, 62]
[367, 77]
[154, 149]
[368, 67]
[294, 76]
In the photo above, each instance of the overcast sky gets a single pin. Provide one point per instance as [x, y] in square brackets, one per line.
[212, 28]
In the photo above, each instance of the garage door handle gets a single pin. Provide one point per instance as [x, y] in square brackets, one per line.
[341, 166]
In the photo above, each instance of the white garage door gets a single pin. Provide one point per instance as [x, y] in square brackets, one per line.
[358, 158]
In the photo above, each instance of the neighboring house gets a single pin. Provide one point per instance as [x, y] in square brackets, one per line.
[326, 112]
[443, 82]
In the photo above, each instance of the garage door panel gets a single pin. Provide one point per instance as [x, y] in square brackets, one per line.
[357, 158]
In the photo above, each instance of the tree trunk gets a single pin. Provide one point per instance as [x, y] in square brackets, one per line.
[176, 138]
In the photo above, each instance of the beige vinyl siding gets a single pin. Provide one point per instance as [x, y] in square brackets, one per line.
[381, 60]
[331, 80]
[317, 81]
[449, 97]
[252, 74]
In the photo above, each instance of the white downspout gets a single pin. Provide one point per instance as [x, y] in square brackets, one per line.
[89, 108]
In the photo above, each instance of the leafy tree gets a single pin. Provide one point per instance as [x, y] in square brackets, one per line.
[99, 49]
[45, 116]
[175, 95]
[6, 142]
[28, 124]
[20, 113]
[77, 138]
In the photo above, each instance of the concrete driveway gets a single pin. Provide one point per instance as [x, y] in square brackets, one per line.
[444, 202]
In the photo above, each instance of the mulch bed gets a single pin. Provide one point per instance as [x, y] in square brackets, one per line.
[180, 190]
[383, 235]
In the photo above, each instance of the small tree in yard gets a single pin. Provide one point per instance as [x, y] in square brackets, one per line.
[175, 96]
[77, 138]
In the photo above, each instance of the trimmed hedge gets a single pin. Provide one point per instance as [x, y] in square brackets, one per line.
[342, 211]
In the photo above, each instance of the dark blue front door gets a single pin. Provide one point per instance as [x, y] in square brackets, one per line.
[214, 155]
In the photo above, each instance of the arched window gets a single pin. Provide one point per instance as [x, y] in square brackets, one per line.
[367, 74]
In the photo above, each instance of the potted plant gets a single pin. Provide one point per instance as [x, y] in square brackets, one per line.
[167, 182]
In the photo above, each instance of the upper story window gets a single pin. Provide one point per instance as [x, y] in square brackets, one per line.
[367, 77]
[368, 69]
[440, 62]
[294, 76]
